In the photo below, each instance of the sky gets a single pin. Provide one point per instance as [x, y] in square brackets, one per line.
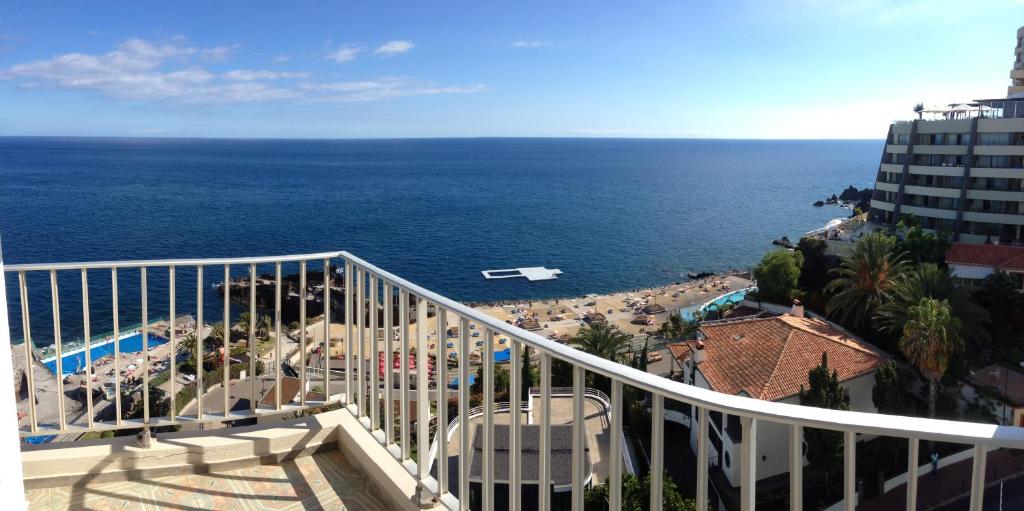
[657, 69]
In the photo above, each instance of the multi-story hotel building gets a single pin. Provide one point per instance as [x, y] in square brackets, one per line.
[959, 168]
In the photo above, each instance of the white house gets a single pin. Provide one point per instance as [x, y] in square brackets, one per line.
[973, 262]
[769, 358]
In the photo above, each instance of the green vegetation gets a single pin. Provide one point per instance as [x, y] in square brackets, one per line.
[602, 340]
[636, 495]
[778, 275]
[889, 393]
[528, 375]
[824, 447]
[865, 280]
[931, 336]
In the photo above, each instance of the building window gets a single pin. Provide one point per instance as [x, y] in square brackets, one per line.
[902, 138]
[994, 139]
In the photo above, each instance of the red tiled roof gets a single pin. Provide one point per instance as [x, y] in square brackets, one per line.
[768, 358]
[1003, 257]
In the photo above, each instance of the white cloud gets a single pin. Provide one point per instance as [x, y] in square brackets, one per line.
[248, 75]
[529, 44]
[384, 88]
[344, 54]
[219, 53]
[280, 59]
[394, 48]
[172, 72]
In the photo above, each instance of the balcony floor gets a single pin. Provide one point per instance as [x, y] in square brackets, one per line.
[321, 481]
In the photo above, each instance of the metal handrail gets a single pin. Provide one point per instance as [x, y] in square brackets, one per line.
[837, 420]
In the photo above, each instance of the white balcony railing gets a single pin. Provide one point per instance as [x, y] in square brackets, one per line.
[360, 391]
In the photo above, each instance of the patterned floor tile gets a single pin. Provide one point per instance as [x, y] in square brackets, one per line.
[322, 481]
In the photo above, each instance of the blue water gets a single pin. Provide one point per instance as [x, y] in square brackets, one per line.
[74, 362]
[734, 297]
[612, 214]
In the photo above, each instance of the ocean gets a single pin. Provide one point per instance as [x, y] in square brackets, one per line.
[612, 214]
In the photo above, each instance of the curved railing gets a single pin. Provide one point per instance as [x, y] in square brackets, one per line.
[400, 300]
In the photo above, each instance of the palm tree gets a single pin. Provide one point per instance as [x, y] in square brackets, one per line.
[243, 322]
[919, 109]
[930, 339]
[217, 331]
[865, 279]
[187, 344]
[602, 340]
[929, 280]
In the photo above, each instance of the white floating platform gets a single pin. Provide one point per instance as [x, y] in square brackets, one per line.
[533, 273]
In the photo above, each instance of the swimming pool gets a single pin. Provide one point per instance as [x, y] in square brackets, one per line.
[74, 361]
[734, 297]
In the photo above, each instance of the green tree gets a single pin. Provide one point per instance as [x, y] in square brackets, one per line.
[920, 245]
[243, 321]
[1000, 295]
[824, 447]
[919, 110]
[889, 392]
[216, 332]
[930, 339]
[636, 494]
[929, 280]
[778, 274]
[865, 280]
[603, 340]
[814, 273]
[528, 375]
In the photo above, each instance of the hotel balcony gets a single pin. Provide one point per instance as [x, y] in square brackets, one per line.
[350, 431]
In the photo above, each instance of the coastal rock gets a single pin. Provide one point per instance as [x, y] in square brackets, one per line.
[818, 204]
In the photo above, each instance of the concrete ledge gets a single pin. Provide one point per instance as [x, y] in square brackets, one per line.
[118, 459]
[397, 485]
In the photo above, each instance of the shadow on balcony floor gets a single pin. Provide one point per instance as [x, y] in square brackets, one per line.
[321, 481]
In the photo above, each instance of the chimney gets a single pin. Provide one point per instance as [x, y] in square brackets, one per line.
[797, 310]
[698, 353]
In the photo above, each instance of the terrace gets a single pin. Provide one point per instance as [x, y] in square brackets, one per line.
[365, 441]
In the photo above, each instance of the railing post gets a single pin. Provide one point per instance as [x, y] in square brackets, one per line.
[422, 398]
[225, 358]
[441, 432]
[278, 363]
[350, 316]
[12, 487]
[615, 454]
[544, 481]
[388, 362]
[703, 417]
[403, 385]
[850, 471]
[360, 362]
[488, 433]
[657, 451]
[579, 441]
[464, 447]
[55, 299]
[796, 467]
[199, 342]
[374, 356]
[26, 328]
[978, 478]
[748, 464]
[86, 333]
[302, 336]
[515, 426]
[913, 452]
[253, 320]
